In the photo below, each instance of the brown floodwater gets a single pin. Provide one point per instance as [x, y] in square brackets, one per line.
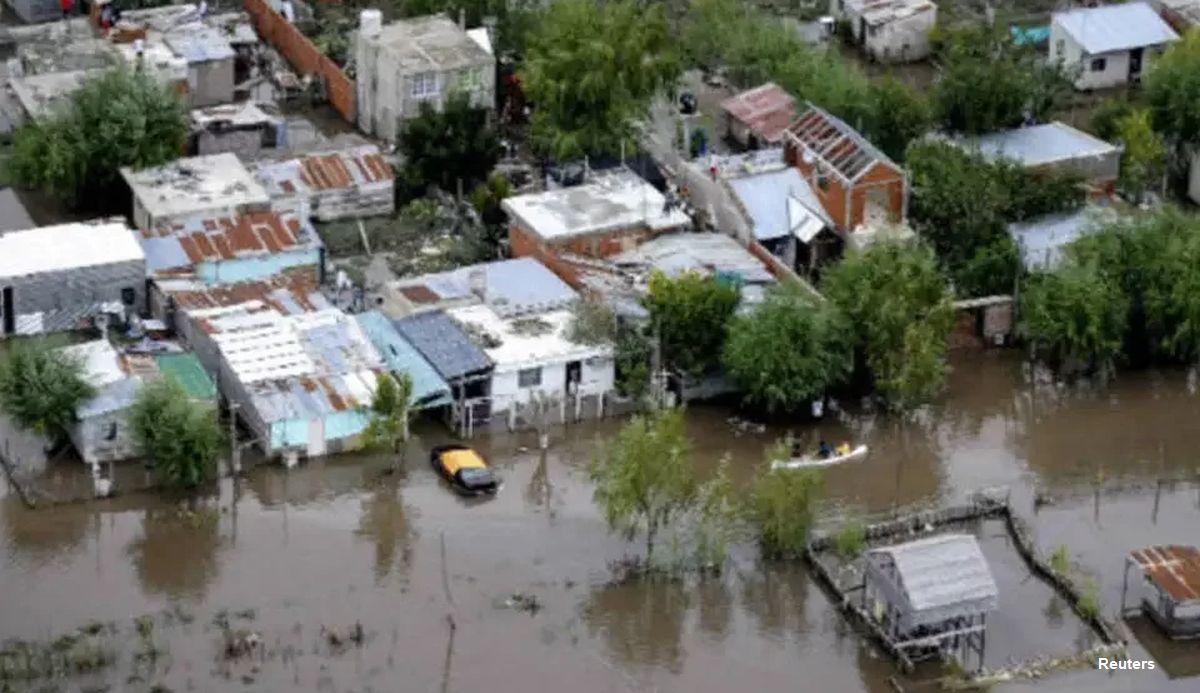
[287, 554]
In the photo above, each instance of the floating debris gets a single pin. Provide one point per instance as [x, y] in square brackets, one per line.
[521, 601]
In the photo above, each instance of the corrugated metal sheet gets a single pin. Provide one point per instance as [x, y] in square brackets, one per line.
[1042, 241]
[429, 389]
[1115, 27]
[766, 110]
[941, 576]
[173, 246]
[1174, 569]
[322, 171]
[67, 246]
[444, 344]
[1041, 144]
[198, 43]
[290, 292]
[707, 253]
[837, 145]
[765, 198]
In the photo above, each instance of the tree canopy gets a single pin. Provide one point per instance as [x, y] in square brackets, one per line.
[446, 147]
[592, 70]
[644, 478]
[1143, 162]
[989, 83]
[41, 387]
[780, 505]
[391, 408]
[691, 313]
[789, 350]
[1074, 317]
[899, 307]
[1172, 90]
[180, 438]
[120, 118]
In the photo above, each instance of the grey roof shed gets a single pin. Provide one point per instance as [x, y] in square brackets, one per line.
[444, 344]
[932, 580]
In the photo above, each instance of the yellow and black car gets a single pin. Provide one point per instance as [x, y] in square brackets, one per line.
[464, 469]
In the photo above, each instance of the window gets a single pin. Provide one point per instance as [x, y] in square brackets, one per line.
[471, 78]
[111, 434]
[1060, 48]
[1099, 64]
[424, 84]
[529, 377]
[128, 296]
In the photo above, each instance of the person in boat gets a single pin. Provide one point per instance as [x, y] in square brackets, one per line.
[843, 449]
[824, 451]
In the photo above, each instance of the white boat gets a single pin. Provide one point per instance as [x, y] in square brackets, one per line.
[812, 461]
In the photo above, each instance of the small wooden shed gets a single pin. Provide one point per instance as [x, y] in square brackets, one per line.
[931, 596]
[1170, 589]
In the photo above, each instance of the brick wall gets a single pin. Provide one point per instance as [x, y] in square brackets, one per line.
[303, 55]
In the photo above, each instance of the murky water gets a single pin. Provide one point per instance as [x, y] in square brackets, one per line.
[340, 542]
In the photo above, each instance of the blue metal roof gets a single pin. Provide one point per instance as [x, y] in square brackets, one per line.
[513, 287]
[765, 198]
[1114, 28]
[444, 344]
[429, 389]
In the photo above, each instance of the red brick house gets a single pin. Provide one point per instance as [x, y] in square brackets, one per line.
[855, 182]
[611, 213]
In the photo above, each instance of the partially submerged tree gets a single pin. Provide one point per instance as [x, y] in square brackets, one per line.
[790, 350]
[120, 118]
[180, 438]
[391, 411]
[447, 148]
[691, 313]
[1074, 318]
[41, 387]
[644, 478]
[780, 505]
[900, 309]
[634, 353]
[592, 70]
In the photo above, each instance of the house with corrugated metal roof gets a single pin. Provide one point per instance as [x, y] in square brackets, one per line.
[1110, 45]
[758, 117]
[857, 184]
[1169, 589]
[331, 185]
[931, 595]
[1050, 148]
[518, 285]
[101, 432]
[429, 390]
[889, 31]
[457, 359]
[242, 247]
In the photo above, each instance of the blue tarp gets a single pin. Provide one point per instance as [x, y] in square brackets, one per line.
[1030, 35]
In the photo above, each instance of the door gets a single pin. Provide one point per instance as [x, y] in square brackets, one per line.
[574, 375]
[1135, 64]
[7, 312]
[876, 208]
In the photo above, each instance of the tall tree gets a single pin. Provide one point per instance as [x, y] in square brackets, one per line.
[41, 387]
[446, 148]
[592, 70]
[899, 305]
[1143, 163]
[1172, 91]
[789, 351]
[691, 313]
[645, 478]
[391, 410]
[901, 115]
[120, 118]
[180, 438]
[989, 83]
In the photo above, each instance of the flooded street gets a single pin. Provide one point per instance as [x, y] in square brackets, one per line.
[328, 545]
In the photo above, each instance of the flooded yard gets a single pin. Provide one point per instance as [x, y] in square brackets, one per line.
[302, 558]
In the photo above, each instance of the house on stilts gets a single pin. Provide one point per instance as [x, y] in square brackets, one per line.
[930, 597]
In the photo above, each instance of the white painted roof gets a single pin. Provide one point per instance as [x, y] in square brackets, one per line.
[195, 185]
[101, 362]
[67, 246]
[1115, 27]
[607, 202]
[519, 345]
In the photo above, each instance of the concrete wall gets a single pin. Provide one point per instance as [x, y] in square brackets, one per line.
[34, 11]
[524, 243]
[901, 41]
[847, 205]
[598, 378]
[358, 200]
[59, 301]
[210, 83]
[91, 438]
[241, 142]
[1116, 70]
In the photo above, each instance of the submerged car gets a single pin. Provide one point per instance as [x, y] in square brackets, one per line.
[464, 469]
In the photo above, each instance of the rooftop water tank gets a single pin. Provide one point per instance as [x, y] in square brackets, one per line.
[370, 22]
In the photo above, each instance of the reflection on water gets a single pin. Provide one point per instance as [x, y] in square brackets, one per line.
[340, 540]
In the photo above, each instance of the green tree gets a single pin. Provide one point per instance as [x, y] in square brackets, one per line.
[391, 411]
[41, 387]
[180, 438]
[789, 350]
[446, 148]
[691, 313]
[1143, 163]
[633, 354]
[513, 17]
[592, 70]
[1104, 120]
[899, 306]
[1074, 318]
[644, 478]
[901, 115]
[989, 83]
[1172, 90]
[780, 505]
[120, 118]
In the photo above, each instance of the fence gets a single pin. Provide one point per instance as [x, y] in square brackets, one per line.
[303, 55]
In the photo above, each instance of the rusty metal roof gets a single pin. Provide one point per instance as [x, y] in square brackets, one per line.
[174, 247]
[1174, 569]
[325, 171]
[290, 292]
[767, 110]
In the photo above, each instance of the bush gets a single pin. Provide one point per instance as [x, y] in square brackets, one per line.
[41, 387]
[780, 506]
[181, 439]
[850, 539]
[691, 313]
